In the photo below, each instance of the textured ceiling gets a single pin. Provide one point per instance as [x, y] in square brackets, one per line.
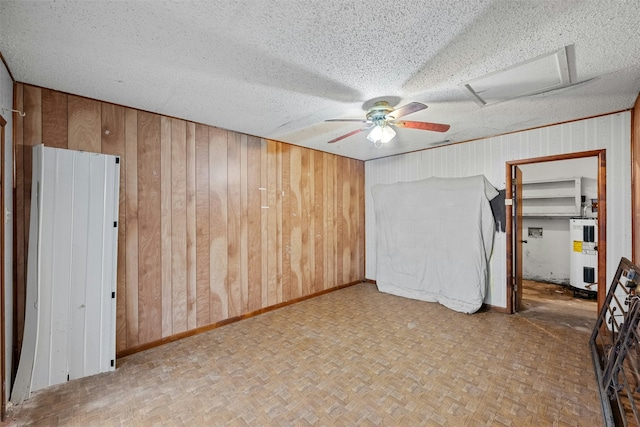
[278, 69]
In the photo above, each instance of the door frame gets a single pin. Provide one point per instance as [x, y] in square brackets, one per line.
[3, 391]
[516, 185]
[602, 219]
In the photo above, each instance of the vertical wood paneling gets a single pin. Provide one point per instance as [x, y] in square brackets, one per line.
[264, 223]
[635, 180]
[234, 225]
[32, 135]
[4, 284]
[202, 225]
[219, 187]
[319, 236]
[360, 218]
[244, 225]
[332, 224]
[32, 131]
[306, 226]
[213, 224]
[280, 245]
[349, 199]
[254, 224]
[285, 170]
[131, 236]
[329, 224]
[341, 181]
[112, 133]
[356, 212]
[192, 290]
[19, 242]
[54, 119]
[165, 225]
[84, 124]
[273, 296]
[295, 219]
[179, 224]
[149, 232]
[353, 226]
[113, 142]
[347, 228]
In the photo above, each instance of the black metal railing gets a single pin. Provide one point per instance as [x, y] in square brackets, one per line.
[615, 348]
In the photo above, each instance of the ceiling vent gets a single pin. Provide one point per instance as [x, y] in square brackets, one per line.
[541, 74]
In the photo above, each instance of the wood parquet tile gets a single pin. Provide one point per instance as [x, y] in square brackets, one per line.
[351, 357]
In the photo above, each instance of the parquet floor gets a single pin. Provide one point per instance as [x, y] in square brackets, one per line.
[351, 357]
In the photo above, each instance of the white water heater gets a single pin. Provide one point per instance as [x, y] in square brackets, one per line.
[583, 233]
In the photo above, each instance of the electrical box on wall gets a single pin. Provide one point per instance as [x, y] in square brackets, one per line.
[535, 232]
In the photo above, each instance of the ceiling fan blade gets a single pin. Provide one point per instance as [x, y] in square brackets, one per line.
[412, 107]
[436, 127]
[347, 135]
[348, 120]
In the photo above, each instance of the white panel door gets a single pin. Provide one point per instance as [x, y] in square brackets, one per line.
[56, 226]
[72, 322]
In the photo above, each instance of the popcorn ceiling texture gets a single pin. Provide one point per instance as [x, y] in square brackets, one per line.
[278, 69]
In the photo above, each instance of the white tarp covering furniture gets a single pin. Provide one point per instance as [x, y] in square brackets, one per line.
[434, 240]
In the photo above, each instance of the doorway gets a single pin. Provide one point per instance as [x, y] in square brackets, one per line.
[515, 240]
[553, 286]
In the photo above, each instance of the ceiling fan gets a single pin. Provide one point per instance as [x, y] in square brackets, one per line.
[382, 117]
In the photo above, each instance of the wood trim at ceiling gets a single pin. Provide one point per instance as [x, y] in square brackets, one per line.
[602, 218]
[59, 92]
[506, 133]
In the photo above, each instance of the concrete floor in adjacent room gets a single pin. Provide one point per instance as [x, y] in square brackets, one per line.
[350, 357]
[559, 305]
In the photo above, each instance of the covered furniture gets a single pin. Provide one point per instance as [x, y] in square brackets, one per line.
[434, 239]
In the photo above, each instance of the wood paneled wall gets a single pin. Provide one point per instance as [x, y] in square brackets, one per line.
[213, 224]
[635, 181]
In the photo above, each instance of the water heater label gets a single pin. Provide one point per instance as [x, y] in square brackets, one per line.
[577, 246]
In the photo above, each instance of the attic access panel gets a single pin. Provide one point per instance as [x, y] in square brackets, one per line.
[541, 74]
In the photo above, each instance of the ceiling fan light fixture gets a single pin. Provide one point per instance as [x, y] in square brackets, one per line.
[387, 134]
[381, 134]
[375, 134]
[382, 118]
